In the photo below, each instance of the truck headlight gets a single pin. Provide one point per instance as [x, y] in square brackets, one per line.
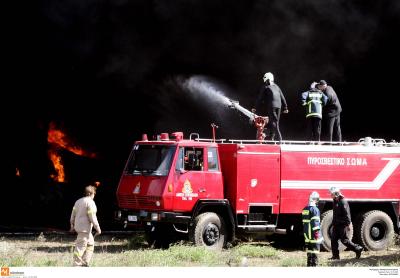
[154, 217]
[158, 203]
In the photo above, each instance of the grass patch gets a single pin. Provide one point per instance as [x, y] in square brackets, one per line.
[293, 262]
[134, 252]
[18, 261]
[254, 251]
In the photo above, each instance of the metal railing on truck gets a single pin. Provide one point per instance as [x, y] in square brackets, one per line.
[366, 141]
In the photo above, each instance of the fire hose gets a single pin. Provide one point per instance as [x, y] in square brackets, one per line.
[259, 122]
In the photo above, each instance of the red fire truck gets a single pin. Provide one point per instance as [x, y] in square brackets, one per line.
[210, 190]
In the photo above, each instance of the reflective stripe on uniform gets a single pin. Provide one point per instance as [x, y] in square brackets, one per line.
[316, 228]
[312, 251]
[311, 101]
[306, 220]
[315, 240]
[313, 114]
[315, 218]
[305, 212]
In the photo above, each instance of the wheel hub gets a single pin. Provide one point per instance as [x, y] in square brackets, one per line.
[211, 234]
[375, 232]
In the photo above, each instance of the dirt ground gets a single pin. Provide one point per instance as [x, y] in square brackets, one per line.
[56, 250]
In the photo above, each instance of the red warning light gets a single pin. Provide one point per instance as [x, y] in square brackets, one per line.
[164, 137]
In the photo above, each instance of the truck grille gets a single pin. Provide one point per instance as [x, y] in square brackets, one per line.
[138, 202]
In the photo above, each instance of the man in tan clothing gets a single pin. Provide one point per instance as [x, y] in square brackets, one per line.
[83, 219]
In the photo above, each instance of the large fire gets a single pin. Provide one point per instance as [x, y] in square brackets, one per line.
[57, 140]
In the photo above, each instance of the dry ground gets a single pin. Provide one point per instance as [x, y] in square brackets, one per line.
[128, 250]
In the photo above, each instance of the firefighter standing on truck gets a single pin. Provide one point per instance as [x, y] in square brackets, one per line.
[341, 224]
[312, 229]
[83, 219]
[313, 100]
[272, 101]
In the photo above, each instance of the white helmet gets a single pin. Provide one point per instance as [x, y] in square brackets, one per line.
[314, 197]
[268, 76]
[313, 85]
[335, 191]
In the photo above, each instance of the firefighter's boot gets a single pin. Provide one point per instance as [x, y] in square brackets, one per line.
[334, 257]
[315, 260]
[358, 251]
[309, 259]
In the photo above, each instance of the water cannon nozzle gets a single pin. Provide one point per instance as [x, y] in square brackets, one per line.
[233, 104]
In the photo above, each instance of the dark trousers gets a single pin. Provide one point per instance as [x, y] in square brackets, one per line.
[314, 127]
[312, 250]
[339, 233]
[332, 129]
[273, 125]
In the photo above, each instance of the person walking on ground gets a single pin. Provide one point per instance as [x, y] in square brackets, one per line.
[83, 219]
[341, 225]
[312, 229]
[270, 101]
[313, 100]
[331, 113]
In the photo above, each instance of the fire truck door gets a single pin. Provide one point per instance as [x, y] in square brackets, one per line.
[189, 178]
[264, 179]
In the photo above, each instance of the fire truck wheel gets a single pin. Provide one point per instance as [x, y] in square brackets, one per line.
[326, 229]
[209, 231]
[376, 230]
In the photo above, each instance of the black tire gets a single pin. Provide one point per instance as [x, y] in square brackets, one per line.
[209, 231]
[376, 230]
[326, 229]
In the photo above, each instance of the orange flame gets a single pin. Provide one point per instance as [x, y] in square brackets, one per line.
[57, 137]
[17, 173]
[59, 140]
[58, 166]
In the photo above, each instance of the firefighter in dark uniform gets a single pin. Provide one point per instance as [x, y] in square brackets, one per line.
[271, 101]
[341, 224]
[331, 113]
[313, 100]
[312, 229]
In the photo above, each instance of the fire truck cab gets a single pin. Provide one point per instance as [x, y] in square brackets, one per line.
[210, 190]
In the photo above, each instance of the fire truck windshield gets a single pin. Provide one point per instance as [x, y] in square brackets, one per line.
[152, 160]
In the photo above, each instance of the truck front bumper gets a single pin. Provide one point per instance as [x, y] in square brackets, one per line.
[130, 217]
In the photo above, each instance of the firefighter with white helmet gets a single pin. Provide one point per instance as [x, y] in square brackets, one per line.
[270, 102]
[268, 76]
[341, 222]
[312, 229]
[83, 220]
